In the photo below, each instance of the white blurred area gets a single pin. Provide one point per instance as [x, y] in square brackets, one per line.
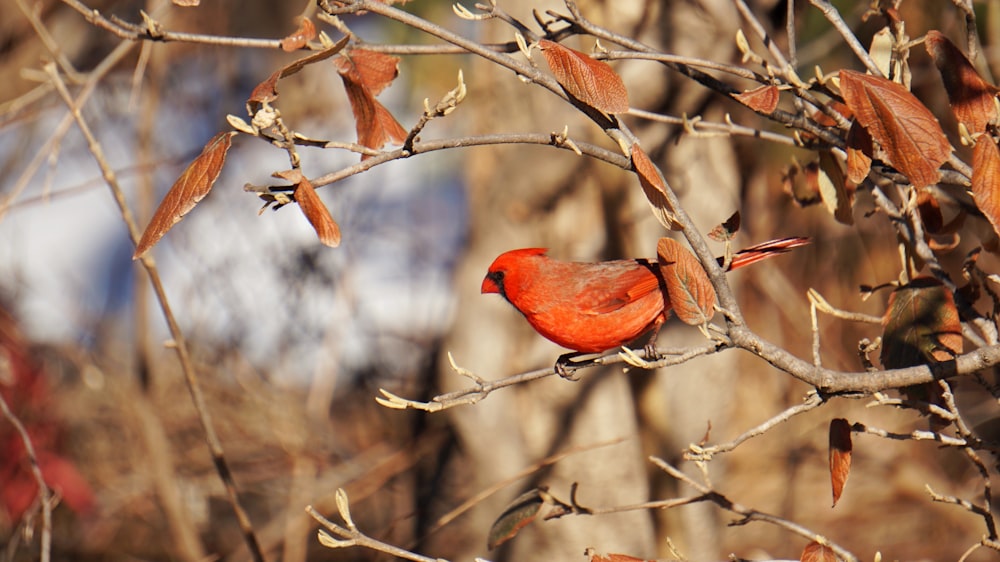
[260, 285]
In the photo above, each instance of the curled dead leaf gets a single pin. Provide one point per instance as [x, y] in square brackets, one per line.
[300, 37]
[519, 513]
[727, 230]
[859, 153]
[930, 212]
[834, 189]
[375, 125]
[374, 70]
[654, 188]
[971, 98]
[267, 91]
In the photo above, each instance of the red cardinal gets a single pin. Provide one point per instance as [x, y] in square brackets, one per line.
[594, 307]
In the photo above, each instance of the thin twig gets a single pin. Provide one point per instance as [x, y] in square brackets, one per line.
[972, 42]
[785, 68]
[350, 535]
[483, 387]
[51, 44]
[700, 453]
[966, 433]
[833, 16]
[602, 154]
[479, 497]
[60, 130]
[750, 515]
[44, 494]
[692, 62]
[915, 435]
[728, 128]
[154, 32]
[823, 306]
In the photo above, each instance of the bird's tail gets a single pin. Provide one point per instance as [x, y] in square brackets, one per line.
[765, 250]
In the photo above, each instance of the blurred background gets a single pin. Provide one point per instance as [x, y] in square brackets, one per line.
[292, 339]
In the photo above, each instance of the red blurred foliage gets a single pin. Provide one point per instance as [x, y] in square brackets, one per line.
[27, 391]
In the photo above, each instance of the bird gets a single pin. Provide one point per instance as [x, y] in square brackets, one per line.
[592, 307]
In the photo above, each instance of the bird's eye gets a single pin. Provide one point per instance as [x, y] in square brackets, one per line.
[497, 275]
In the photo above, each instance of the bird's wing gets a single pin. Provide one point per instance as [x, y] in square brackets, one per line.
[622, 283]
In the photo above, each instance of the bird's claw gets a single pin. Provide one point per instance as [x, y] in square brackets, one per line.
[565, 367]
[564, 370]
[650, 351]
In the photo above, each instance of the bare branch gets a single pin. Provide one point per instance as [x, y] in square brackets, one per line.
[729, 128]
[749, 514]
[483, 388]
[155, 32]
[44, 493]
[700, 453]
[833, 16]
[350, 535]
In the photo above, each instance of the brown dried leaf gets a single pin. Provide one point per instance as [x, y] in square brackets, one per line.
[293, 176]
[375, 125]
[801, 183]
[840, 455]
[906, 130]
[301, 37]
[986, 179]
[970, 96]
[944, 243]
[921, 325]
[859, 153]
[930, 212]
[815, 552]
[587, 79]
[654, 188]
[374, 70]
[192, 186]
[727, 230]
[522, 511]
[317, 213]
[825, 120]
[834, 190]
[763, 99]
[299, 64]
[594, 557]
[688, 287]
[267, 91]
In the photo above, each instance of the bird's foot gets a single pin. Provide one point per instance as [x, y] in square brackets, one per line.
[650, 351]
[647, 360]
[565, 366]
